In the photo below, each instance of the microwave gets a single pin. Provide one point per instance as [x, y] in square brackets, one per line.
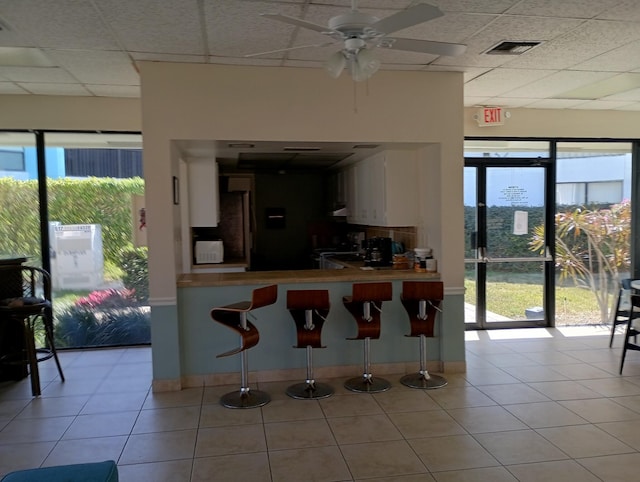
[209, 252]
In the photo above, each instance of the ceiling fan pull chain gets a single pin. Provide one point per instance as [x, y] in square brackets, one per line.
[355, 97]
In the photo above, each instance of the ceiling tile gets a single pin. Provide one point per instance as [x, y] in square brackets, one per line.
[475, 6]
[162, 32]
[634, 107]
[498, 81]
[114, 90]
[471, 101]
[194, 59]
[563, 8]
[59, 24]
[601, 105]
[555, 103]
[590, 39]
[557, 83]
[11, 88]
[627, 10]
[54, 89]
[631, 95]
[511, 102]
[622, 59]
[248, 33]
[37, 74]
[95, 67]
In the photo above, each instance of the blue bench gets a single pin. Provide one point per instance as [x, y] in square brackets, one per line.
[106, 471]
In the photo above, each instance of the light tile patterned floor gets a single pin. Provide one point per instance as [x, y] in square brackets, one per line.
[535, 405]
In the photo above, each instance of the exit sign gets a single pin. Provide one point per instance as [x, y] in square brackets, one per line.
[490, 116]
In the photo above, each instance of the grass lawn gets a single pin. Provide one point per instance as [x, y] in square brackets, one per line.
[574, 305]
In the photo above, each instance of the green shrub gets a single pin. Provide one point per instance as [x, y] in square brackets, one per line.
[103, 201]
[79, 326]
[135, 267]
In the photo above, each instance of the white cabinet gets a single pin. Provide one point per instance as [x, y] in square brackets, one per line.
[383, 190]
[204, 205]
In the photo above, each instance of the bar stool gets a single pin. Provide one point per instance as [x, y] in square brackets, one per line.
[422, 301]
[365, 304]
[29, 305]
[309, 309]
[234, 316]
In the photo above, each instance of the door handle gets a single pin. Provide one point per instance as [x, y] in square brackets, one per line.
[482, 255]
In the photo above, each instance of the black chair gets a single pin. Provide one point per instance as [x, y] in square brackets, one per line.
[28, 305]
[621, 313]
[631, 330]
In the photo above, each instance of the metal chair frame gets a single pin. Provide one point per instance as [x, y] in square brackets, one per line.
[33, 285]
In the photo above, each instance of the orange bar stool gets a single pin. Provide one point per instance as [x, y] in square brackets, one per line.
[365, 304]
[422, 300]
[309, 309]
[234, 316]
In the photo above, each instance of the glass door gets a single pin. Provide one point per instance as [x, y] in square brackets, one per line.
[507, 259]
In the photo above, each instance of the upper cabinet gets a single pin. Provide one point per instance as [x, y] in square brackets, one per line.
[204, 205]
[382, 190]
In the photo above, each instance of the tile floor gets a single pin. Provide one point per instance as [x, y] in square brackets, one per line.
[535, 405]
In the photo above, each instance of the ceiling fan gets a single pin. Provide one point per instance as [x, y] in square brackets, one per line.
[361, 32]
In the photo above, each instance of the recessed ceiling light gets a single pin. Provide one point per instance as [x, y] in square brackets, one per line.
[23, 57]
[512, 47]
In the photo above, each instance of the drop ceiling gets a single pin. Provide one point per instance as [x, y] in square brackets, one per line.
[91, 47]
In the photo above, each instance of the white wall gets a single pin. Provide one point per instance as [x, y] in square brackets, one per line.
[214, 102]
[69, 113]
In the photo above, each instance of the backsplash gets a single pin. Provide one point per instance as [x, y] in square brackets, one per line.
[403, 234]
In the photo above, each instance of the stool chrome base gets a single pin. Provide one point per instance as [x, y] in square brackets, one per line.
[367, 384]
[245, 399]
[420, 380]
[309, 391]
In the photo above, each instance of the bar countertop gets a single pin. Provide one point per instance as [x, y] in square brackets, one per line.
[192, 280]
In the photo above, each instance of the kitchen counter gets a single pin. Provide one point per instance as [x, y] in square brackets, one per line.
[349, 274]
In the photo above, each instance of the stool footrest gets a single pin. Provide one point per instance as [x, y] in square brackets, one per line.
[420, 380]
[367, 384]
[309, 391]
[245, 399]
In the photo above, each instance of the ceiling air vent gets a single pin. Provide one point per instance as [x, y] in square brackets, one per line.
[512, 48]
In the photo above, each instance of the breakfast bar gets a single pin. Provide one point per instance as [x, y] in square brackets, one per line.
[274, 358]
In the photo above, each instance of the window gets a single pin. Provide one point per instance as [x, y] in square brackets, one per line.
[12, 160]
[580, 193]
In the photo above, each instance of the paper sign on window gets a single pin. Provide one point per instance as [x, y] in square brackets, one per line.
[520, 222]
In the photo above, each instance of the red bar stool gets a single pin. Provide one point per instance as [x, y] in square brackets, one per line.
[234, 316]
[309, 309]
[365, 304]
[422, 300]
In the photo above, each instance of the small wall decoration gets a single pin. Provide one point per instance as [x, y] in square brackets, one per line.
[176, 191]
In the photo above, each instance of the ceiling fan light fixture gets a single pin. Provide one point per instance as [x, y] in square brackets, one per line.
[336, 64]
[364, 64]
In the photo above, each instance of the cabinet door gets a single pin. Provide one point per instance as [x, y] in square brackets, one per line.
[203, 193]
[377, 190]
[351, 197]
[363, 192]
[401, 188]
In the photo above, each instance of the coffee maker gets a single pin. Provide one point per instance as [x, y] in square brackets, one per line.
[377, 252]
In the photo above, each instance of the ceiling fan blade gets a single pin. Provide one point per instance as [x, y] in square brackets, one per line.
[326, 44]
[423, 46]
[299, 22]
[419, 13]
